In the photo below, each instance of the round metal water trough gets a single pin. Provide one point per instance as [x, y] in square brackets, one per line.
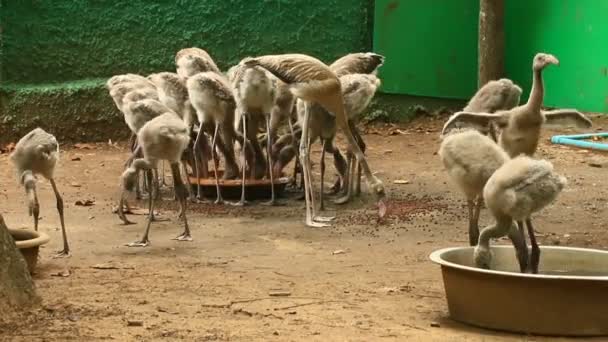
[28, 242]
[255, 189]
[568, 298]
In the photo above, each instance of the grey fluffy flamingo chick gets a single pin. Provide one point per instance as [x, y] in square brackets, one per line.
[255, 92]
[37, 153]
[138, 112]
[470, 158]
[163, 138]
[212, 98]
[358, 91]
[173, 93]
[313, 81]
[191, 61]
[494, 96]
[519, 188]
[357, 63]
[521, 127]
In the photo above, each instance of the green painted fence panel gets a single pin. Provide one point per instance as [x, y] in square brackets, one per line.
[430, 46]
[576, 32]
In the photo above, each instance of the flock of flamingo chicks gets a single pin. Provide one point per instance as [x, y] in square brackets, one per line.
[190, 117]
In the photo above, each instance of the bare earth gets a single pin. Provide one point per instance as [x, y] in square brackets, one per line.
[359, 280]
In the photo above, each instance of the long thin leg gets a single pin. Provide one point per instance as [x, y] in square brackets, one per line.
[303, 155]
[474, 206]
[145, 241]
[66, 249]
[188, 187]
[535, 252]
[121, 205]
[297, 158]
[361, 143]
[322, 166]
[244, 161]
[162, 174]
[269, 155]
[218, 199]
[196, 165]
[152, 178]
[339, 164]
[181, 192]
[347, 185]
[312, 220]
[519, 242]
[520, 226]
[34, 205]
[155, 184]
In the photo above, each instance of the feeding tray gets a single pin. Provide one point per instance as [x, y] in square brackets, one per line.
[580, 140]
[28, 242]
[231, 188]
[568, 298]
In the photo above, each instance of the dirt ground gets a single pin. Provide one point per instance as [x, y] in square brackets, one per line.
[257, 273]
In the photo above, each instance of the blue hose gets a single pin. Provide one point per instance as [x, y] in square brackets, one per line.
[575, 140]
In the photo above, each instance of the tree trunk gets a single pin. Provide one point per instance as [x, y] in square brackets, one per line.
[491, 41]
[16, 286]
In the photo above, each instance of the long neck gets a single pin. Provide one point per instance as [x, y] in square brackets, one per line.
[535, 101]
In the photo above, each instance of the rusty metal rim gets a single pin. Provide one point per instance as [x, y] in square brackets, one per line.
[36, 238]
[436, 257]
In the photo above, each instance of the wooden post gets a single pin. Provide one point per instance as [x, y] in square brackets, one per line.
[491, 42]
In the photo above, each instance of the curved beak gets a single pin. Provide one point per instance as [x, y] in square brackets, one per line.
[553, 60]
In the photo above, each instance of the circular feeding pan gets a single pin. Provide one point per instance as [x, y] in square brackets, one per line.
[28, 242]
[255, 189]
[568, 298]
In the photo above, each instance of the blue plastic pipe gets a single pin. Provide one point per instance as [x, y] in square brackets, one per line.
[575, 140]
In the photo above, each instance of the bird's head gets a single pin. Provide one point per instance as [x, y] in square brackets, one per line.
[250, 62]
[377, 188]
[482, 257]
[129, 179]
[541, 60]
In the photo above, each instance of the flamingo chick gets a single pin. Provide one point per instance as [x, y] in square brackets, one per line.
[519, 188]
[163, 138]
[312, 81]
[38, 153]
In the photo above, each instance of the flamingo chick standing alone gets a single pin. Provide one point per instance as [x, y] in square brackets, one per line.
[520, 187]
[163, 138]
[37, 153]
[312, 81]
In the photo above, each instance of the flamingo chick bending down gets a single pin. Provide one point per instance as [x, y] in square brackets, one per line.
[312, 81]
[163, 138]
[37, 153]
[255, 92]
[212, 98]
[520, 187]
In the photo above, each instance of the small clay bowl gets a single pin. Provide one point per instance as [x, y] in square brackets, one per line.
[28, 242]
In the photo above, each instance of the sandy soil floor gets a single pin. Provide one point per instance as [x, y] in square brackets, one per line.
[257, 273]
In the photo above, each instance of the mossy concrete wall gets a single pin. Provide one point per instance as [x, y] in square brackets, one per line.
[48, 47]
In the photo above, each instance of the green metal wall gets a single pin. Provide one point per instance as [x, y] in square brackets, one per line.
[431, 46]
[65, 40]
[576, 32]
